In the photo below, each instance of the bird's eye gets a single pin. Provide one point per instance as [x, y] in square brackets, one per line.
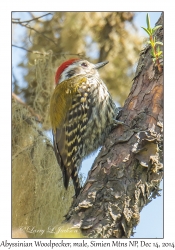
[84, 64]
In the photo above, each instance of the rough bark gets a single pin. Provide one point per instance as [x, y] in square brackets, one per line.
[127, 172]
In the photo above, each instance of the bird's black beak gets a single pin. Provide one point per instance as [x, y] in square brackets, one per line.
[101, 64]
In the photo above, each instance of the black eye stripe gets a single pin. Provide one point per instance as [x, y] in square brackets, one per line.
[70, 73]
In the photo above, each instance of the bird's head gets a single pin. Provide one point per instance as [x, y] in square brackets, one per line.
[73, 67]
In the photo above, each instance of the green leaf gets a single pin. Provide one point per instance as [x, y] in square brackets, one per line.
[147, 31]
[148, 22]
[156, 27]
[159, 53]
[159, 43]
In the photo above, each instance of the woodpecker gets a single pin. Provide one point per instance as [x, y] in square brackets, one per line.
[82, 114]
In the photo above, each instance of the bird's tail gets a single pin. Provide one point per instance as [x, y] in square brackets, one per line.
[76, 181]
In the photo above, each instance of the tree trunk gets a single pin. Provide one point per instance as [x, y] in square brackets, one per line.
[127, 172]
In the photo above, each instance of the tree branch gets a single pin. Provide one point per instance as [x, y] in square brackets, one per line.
[127, 172]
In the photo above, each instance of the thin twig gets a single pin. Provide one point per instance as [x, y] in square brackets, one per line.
[28, 21]
[26, 24]
[30, 51]
[22, 48]
[45, 53]
[29, 27]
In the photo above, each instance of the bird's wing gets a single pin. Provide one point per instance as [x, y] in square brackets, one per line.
[69, 126]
